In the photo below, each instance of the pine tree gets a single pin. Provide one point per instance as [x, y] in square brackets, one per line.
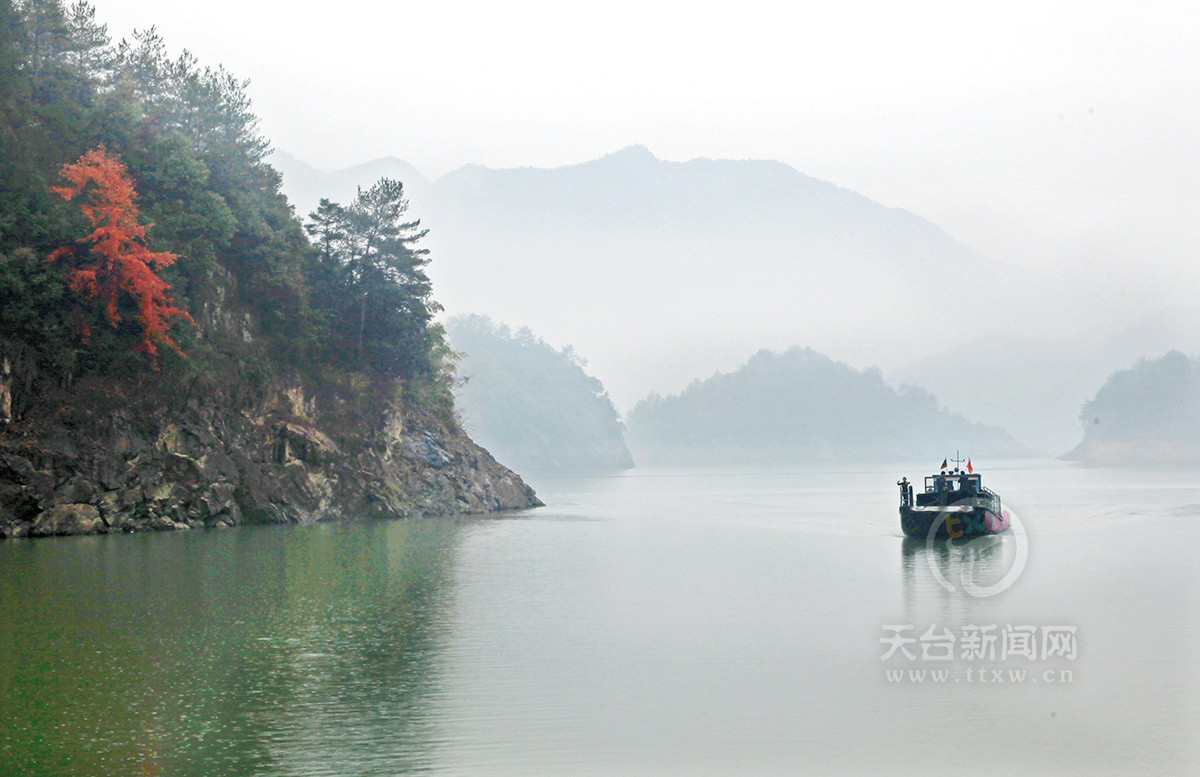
[377, 273]
[89, 52]
[46, 34]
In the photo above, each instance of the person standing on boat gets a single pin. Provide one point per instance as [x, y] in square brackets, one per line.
[964, 485]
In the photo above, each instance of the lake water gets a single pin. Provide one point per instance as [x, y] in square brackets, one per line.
[659, 622]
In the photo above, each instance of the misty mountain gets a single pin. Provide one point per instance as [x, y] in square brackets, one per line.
[801, 405]
[683, 266]
[305, 185]
[533, 405]
[1146, 414]
[1033, 386]
[1030, 386]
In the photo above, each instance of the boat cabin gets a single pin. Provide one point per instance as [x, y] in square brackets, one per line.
[949, 487]
[961, 483]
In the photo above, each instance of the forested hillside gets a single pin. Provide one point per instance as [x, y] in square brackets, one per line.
[1148, 414]
[189, 145]
[155, 281]
[801, 405]
[532, 405]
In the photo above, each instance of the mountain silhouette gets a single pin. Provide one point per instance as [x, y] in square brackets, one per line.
[663, 270]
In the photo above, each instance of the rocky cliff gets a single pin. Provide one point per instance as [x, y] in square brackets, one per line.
[177, 347]
[141, 453]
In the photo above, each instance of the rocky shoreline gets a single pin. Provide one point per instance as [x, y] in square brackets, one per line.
[109, 456]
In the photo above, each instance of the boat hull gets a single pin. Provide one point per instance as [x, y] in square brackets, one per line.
[968, 518]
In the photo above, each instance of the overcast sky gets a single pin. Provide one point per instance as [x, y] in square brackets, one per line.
[1031, 131]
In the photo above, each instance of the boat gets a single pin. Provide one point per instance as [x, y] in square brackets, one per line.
[954, 504]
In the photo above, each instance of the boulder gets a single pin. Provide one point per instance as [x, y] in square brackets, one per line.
[72, 518]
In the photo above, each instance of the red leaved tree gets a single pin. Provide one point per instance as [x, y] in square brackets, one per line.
[114, 258]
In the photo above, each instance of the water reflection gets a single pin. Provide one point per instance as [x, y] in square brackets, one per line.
[251, 651]
[701, 626]
[942, 579]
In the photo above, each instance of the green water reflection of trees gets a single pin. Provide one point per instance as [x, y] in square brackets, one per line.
[249, 651]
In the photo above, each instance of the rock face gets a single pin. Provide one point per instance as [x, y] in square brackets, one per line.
[108, 456]
[67, 519]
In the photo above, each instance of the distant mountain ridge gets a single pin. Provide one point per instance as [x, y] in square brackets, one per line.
[305, 185]
[635, 186]
[684, 265]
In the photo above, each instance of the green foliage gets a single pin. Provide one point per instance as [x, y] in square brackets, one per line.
[207, 181]
[372, 281]
[87, 52]
[435, 391]
[14, 81]
[262, 293]
[207, 104]
[190, 218]
[34, 296]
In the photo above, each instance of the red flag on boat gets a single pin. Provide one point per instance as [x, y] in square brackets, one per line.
[969, 467]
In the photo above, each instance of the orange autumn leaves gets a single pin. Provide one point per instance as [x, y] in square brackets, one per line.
[114, 258]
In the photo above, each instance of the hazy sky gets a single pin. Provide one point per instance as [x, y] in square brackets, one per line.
[1031, 131]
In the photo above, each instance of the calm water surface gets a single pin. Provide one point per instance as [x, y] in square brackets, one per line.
[660, 622]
